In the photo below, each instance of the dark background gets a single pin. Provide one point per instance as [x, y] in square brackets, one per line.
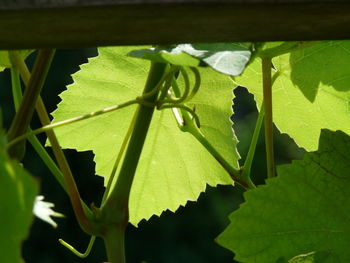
[185, 236]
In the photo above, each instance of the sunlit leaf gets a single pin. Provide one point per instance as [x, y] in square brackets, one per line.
[304, 209]
[174, 167]
[311, 90]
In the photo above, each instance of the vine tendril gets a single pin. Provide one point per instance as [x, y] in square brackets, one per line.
[158, 87]
[180, 99]
[197, 83]
[75, 251]
[165, 90]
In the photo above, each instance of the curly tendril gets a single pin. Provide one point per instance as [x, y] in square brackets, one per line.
[197, 83]
[179, 99]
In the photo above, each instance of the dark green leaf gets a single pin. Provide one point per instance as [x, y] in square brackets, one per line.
[17, 193]
[306, 208]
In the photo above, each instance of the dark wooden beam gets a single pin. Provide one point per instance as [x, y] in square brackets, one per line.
[86, 23]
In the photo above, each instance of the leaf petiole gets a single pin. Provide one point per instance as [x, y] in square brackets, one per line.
[267, 97]
[251, 152]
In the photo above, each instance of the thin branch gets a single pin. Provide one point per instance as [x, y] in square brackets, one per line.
[267, 94]
[17, 97]
[25, 112]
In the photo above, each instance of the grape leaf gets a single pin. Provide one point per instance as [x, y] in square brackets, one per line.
[306, 208]
[227, 58]
[174, 167]
[17, 193]
[311, 90]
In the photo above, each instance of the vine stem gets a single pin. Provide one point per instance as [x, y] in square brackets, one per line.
[17, 97]
[115, 211]
[80, 208]
[25, 111]
[190, 124]
[267, 96]
[234, 174]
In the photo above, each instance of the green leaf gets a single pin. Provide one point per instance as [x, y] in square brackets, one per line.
[5, 61]
[17, 193]
[174, 167]
[306, 208]
[227, 58]
[311, 90]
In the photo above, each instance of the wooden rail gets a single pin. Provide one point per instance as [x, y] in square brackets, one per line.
[86, 23]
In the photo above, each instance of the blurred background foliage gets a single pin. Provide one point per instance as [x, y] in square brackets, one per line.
[187, 236]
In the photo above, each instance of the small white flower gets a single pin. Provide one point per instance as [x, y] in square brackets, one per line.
[43, 210]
